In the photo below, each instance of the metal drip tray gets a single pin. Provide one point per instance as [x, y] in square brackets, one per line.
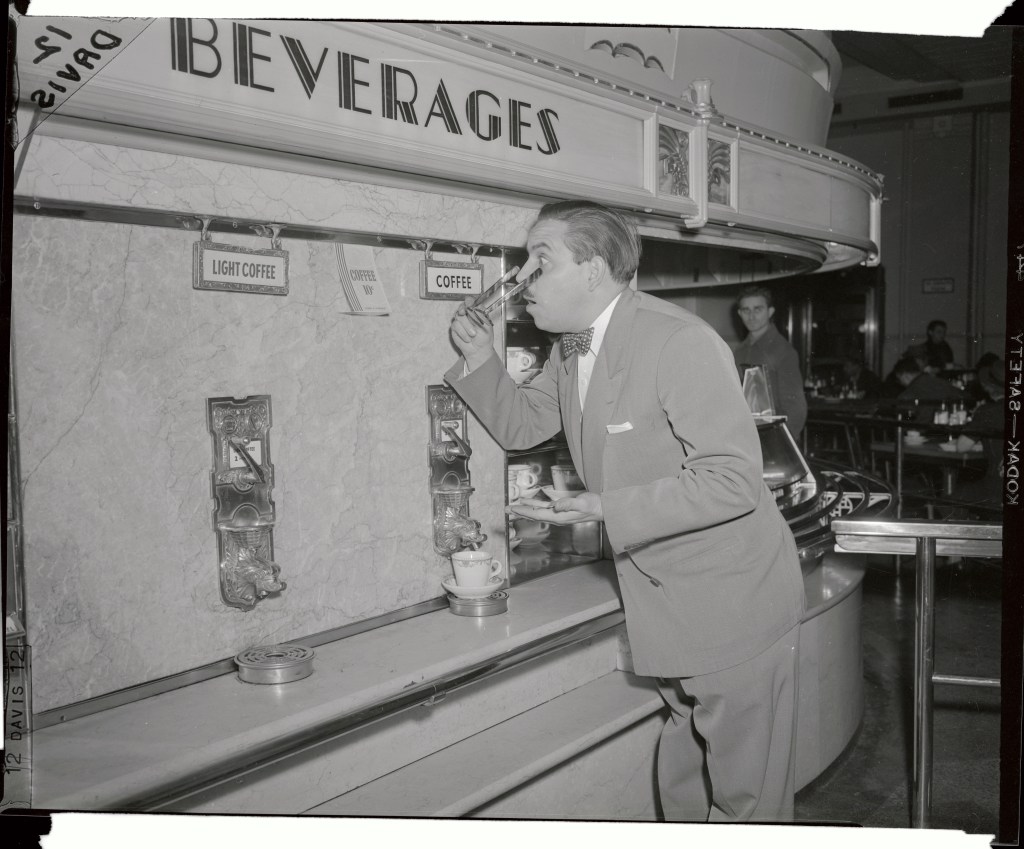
[492, 605]
[276, 664]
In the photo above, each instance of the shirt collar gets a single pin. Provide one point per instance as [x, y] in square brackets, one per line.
[600, 325]
[766, 338]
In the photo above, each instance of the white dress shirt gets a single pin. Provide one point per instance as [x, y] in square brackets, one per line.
[585, 365]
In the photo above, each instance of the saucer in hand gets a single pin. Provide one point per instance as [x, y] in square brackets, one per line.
[544, 511]
[555, 494]
[492, 586]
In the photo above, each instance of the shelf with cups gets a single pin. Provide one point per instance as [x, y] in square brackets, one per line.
[556, 443]
[544, 472]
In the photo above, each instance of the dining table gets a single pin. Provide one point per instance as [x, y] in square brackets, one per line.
[887, 421]
[930, 451]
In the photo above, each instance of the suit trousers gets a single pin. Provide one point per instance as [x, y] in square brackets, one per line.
[728, 750]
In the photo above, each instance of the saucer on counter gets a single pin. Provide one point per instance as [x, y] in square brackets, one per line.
[492, 586]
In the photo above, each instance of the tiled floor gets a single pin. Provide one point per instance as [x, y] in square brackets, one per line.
[870, 782]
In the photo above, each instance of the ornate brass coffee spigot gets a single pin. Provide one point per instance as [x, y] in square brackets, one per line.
[453, 448]
[454, 530]
[244, 517]
[449, 455]
[247, 574]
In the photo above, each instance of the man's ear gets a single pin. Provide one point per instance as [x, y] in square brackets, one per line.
[597, 270]
[771, 312]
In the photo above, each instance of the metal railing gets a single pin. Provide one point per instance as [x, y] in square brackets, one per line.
[928, 540]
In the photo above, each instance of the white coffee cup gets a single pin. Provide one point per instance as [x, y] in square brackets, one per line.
[474, 568]
[565, 479]
[529, 530]
[520, 359]
[513, 490]
[523, 475]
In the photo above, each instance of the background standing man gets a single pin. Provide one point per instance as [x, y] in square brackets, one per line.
[655, 420]
[764, 345]
[934, 354]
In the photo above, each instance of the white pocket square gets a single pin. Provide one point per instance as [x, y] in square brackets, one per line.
[621, 428]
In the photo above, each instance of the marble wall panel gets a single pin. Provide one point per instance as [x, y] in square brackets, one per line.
[116, 356]
[71, 170]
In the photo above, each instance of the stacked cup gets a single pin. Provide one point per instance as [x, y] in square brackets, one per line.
[523, 481]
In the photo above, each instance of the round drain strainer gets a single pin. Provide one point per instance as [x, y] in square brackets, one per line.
[496, 602]
[274, 664]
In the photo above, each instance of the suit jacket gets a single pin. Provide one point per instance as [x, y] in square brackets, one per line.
[783, 362]
[707, 566]
[936, 354]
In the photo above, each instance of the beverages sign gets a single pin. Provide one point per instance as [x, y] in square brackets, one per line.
[371, 94]
[370, 84]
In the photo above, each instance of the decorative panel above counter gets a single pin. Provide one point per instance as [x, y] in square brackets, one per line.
[517, 109]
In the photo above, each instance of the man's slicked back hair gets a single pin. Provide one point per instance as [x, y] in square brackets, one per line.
[595, 230]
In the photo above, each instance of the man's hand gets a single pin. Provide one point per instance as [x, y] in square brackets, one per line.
[585, 507]
[474, 340]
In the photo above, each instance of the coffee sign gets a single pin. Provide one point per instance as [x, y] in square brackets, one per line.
[450, 280]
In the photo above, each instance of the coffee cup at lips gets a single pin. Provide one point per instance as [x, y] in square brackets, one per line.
[474, 569]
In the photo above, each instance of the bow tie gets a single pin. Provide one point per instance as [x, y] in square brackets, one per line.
[577, 342]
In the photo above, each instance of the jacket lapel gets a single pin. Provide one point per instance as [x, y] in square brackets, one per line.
[606, 388]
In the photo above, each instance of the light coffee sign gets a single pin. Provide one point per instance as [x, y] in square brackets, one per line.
[231, 268]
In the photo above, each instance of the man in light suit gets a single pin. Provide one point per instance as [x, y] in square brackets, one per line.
[654, 416]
